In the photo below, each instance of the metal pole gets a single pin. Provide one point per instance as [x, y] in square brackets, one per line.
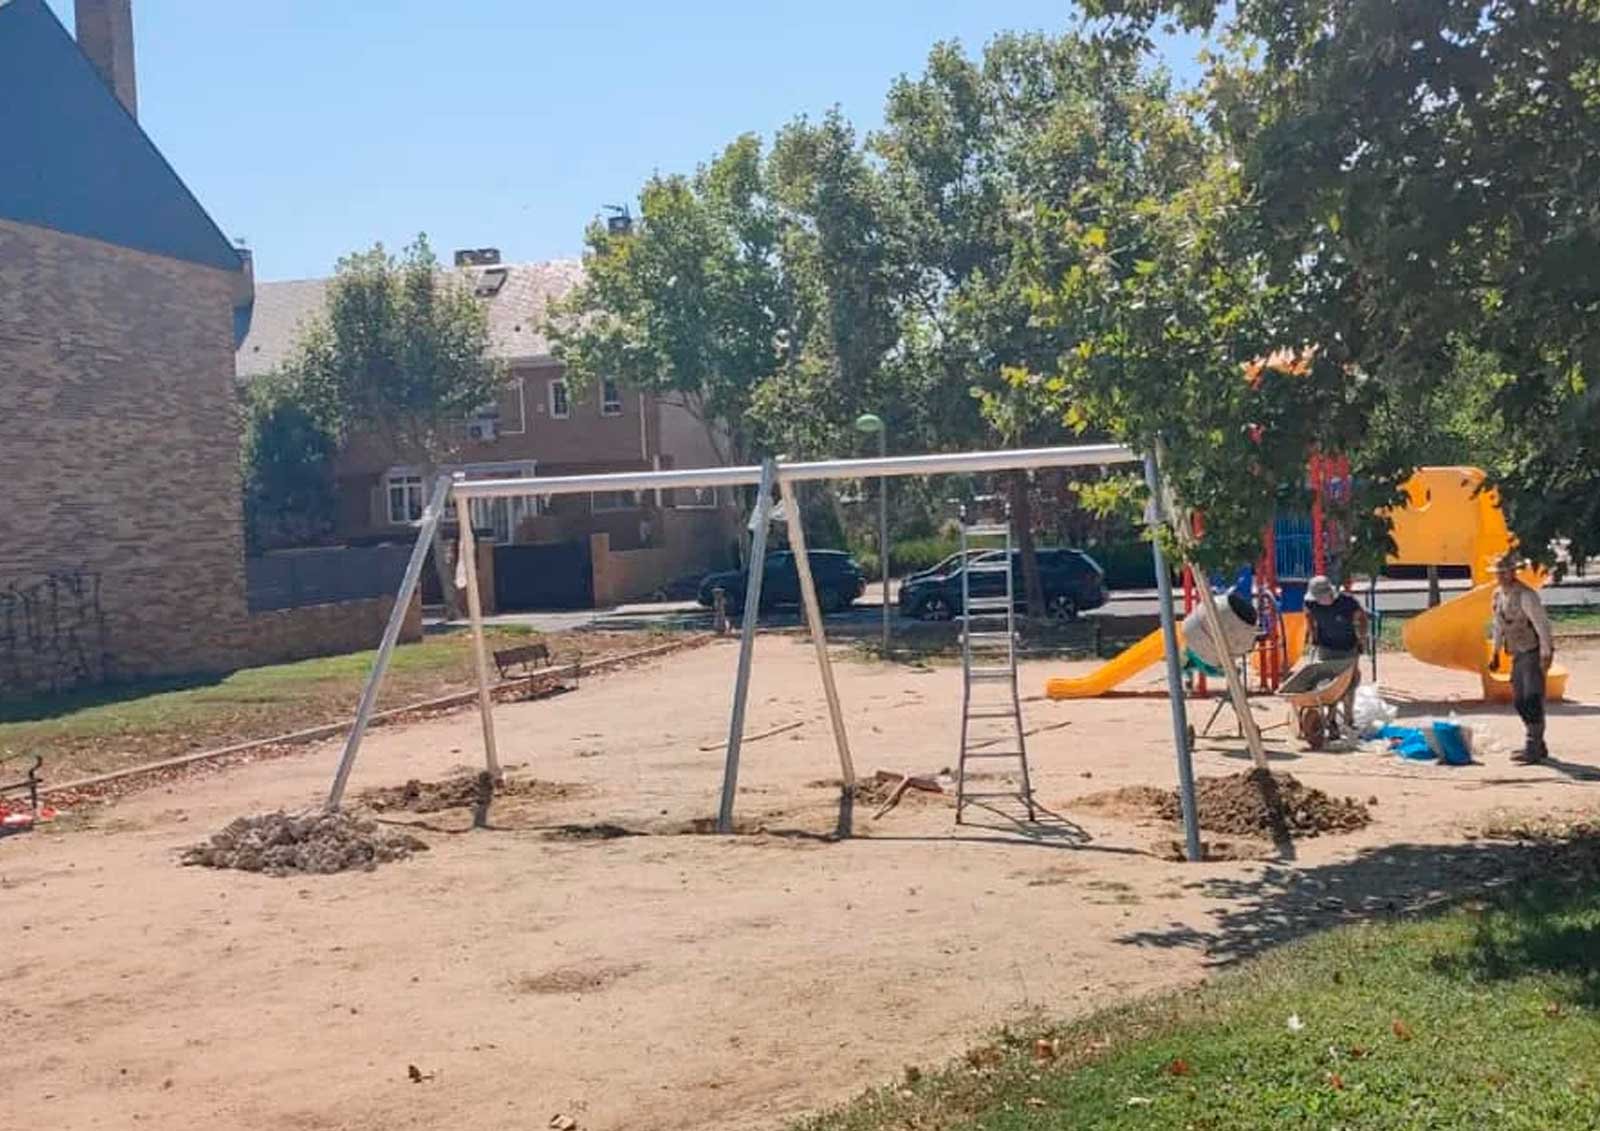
[948, 463]
[883, 533]
[480, 657]
[1374, 626]
[819, 639]
[1169, 636]
[391, 635]
[747, 643]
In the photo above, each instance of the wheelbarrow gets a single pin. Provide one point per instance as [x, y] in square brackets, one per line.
[1314, 691]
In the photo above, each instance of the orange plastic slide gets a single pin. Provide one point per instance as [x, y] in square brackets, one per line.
[1121, 668]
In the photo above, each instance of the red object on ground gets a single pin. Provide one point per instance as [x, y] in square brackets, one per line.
[18, 819]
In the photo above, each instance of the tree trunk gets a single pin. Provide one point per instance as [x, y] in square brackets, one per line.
[445, 575]
[441, 559]
[1022, 526]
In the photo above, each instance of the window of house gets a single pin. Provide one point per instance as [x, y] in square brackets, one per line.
[405, 498]
[694, 498]
[601, 501]
[490, 281]
[498, 520]
[560, 403]
[610, 397]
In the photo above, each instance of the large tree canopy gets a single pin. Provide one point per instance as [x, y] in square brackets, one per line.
[1428, 177]
[400, 352]
[692, 300]
[399, 356]
[1396, 201]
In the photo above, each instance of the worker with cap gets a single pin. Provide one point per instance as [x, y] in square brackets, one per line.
[1336, 629]
[1522, 628]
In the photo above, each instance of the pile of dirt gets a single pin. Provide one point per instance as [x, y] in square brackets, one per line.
[877, 789]
[321, 843]
[1254, 803]
[460, 792]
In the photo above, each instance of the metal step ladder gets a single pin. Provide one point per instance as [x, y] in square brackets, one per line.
[989, 696]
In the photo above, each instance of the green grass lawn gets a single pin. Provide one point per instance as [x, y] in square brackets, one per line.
[1485, 1016]
[109, 728]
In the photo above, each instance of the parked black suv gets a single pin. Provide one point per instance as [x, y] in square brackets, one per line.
[943, 567]
[1073, 582]
[838, 579]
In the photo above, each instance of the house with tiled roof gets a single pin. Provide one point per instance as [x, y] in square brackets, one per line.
[636, 542]
[121, 305]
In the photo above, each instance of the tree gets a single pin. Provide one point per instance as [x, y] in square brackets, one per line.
[399, 357]
[287, 458]
[1154, 281]
[983, 156]
[690, 302]
[1427, 178]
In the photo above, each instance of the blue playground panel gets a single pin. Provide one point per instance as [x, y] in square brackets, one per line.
[1295, 558]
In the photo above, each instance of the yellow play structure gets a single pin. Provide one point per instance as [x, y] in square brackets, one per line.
[1446, 521]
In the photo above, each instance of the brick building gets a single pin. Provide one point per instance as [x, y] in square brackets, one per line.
[121, 303]
[542, 426]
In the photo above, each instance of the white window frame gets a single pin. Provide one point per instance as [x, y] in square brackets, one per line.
[503, 515]
[595, 506]
[694, 498]
[566, 398]
[609, 407]
[409, 483]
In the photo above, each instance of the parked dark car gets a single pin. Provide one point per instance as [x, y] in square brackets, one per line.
[943, 567]
[1073, 582]
[838, 579]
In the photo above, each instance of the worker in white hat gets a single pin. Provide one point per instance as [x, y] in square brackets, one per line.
[1522, 627]
[1336, 629]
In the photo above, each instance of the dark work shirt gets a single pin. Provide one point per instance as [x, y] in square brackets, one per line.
[1334, 626]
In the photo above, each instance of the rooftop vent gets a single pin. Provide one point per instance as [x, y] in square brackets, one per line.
[477, 257]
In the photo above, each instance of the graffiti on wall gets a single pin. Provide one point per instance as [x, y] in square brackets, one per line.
[52, 634]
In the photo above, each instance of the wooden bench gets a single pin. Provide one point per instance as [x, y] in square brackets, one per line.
[531, 661]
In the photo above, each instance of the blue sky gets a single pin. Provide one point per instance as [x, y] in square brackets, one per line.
[310, 128]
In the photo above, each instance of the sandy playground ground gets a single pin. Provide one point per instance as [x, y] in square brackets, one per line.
[671, 980]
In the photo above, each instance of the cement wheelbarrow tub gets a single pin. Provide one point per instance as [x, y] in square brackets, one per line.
[1313, 691]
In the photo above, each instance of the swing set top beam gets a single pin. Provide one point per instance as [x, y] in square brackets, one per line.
[951, 463]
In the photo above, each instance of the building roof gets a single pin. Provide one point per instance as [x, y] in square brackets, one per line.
[516, 312]
[77, 162]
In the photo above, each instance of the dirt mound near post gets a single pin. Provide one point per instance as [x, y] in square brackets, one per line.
[280, 844]
[1254, 803]
[460, 792]
[1257, 802]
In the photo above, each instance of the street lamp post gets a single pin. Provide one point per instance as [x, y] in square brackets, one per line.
[870, 423]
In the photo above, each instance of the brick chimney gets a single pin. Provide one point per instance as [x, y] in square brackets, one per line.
[105, 35]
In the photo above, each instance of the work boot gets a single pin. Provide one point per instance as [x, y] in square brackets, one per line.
[1531, 754]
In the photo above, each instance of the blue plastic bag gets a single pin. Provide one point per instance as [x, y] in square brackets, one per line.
[1408, 742]
[1452, 744]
